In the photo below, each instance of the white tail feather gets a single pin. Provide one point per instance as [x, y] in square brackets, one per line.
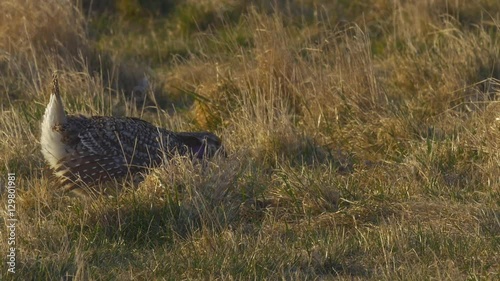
[52, 147]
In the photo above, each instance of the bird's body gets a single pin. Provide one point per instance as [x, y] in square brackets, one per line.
[85, 151]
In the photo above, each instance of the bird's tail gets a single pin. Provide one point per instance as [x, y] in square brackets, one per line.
[52, 147]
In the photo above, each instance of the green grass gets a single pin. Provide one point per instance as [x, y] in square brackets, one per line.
[363, 139]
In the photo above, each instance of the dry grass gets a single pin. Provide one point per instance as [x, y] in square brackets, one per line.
[363, 139]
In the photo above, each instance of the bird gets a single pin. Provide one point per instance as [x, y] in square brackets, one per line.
[85, 152]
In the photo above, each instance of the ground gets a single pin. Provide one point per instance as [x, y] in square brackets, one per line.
[362, 139]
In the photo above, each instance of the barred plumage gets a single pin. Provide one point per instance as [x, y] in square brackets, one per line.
[85, 151]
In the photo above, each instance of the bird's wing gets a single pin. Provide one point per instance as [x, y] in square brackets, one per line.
[135, 140]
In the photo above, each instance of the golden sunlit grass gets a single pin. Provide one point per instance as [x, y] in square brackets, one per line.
[363, 139]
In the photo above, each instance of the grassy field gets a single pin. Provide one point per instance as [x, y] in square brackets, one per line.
[363, 139]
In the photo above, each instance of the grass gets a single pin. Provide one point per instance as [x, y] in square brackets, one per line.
[363, 139]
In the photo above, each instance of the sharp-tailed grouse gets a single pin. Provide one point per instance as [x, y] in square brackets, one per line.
[85, 151]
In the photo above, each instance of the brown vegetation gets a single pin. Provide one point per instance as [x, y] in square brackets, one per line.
[363, 138]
